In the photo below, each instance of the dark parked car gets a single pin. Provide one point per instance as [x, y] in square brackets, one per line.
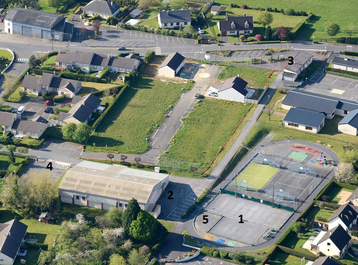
[121, 48]
[49, 110]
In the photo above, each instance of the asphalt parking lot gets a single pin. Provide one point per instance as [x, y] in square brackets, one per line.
[205, 260]
[334, 86]
[58, 169]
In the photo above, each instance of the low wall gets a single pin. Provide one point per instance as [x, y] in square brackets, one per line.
[10, 64]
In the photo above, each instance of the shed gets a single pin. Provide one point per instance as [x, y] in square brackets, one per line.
[304, 120]
[171, 65]
[349, 124]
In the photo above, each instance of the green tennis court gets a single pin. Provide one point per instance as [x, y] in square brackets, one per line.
[256, 174]
[297, 156]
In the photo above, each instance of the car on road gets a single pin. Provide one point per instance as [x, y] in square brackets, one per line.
[201, 31]
[13, 110]
[197, 95]
[122, 48]
[1, 19]
[212, 94]
[49, 110]
[47, 102]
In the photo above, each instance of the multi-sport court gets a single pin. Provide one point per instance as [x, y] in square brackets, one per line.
[282, 174]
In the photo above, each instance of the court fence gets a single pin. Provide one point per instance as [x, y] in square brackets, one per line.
[276, 205]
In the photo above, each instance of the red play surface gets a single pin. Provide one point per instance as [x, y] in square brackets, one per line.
[306, 148]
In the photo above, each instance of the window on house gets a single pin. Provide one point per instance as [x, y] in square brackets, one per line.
[84, 64]
[77, 197]
[345, 112]
[94, 67]
[292, 124]
[76, 63]
[43, 87]
[309, 128]
[32, 134]
[125, 205]
[83, 198]
[328, 244]
[120, 204]
[185, 23]
[34, 90]
[232, 32]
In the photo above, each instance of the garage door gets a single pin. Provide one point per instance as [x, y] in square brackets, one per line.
[223, 33]
[26, 31]
[45, 34]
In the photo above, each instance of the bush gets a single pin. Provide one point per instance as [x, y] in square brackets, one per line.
[216, 253]
[59, 98]
[355, 233]
[104, 72]
[351, 53]
[289, 12]
[223, 254]
[268, 41]
[202, 196]
[47, 96]
[189, 211]
[258, 37]
[208, 251]
[154, 261]
[297, 28]
[349, 41]
[244, 6]
[340, 72]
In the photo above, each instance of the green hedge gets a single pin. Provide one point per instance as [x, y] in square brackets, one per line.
[327, 204]
[96, 123]
[202, 196]
[327, 187]
[189, 211]
[298, 253]
[270, 254]
[59, 98]
[104, 72]
[36, 246]
[81, 77]
[347, 40]
[340, 72]
[297, 28]
[268, 41]
[351, 53]
[346, 185]
[283, 237]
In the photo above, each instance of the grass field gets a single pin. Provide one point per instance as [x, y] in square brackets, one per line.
[90, 87]
[200, 139]
[281, 257]
[50, 61]
[325, 11]
[4, 164]
[135, 115]
[256, 174]
[6, 58]
[255, 77]
[333, 193]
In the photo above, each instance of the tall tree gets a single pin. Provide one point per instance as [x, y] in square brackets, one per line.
[135, 258]
[33, 62]
[68, 131]
[8, 194]
[114, 216]
[144, 228]
[82, 133]
[344, 172]
[265, 18]
[116, 259]
[282, 33]
[332, 29]
[11, 149]
[268, 33]
[130, 214]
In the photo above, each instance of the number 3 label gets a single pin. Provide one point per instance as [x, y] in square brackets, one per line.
[290, 60]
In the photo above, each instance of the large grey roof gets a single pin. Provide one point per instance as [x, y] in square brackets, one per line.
[338, 235]
[327, 261]
[300, 59]
[351, 118]
[236, 83]
[7, 119]
[34, 82]
[237, 22]
[11, 235]
[74, 57]
[304, 117]
[310, 101]
[82, 109]
[112, 181]
[34, 18]
[175, 16]
[101, 7]
[122, 62]
[345, 61]
[173, 60]
[29, 126]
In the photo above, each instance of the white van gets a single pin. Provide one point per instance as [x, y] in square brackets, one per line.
[21, 110]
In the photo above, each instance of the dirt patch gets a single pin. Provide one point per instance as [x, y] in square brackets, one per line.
[344, 195]
[194, 5]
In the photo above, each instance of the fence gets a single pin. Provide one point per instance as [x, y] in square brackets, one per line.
[237, 194]
[180, 165]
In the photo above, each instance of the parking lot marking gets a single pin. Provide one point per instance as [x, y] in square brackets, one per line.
[184, 41]
[335, 81]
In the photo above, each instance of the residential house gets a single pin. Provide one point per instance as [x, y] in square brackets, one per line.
[12, 234]
[102, 8]
[81, 111]
[215, 10]
[171, 65]
[329, 106]
[37, 24]
[325, 261]
[174, 18]
[135, 13]
[345, 63]
[13, 123]
[305, 120]
[106, 186]
[349, 124]
[334, 242]
[234, 88]
[346, 216]
[50, 83]
[300, 62]
[92, 62]
[243, 25]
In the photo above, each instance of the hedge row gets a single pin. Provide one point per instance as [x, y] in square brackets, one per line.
[327, 204]
[18, 82]
[268, 41]
[323, 191]
[153, 262]
[96, 123]
[351, 53]
[297, 28]
[59, 98]
[340, 72]
[36, 246]
[189, 211]
[347, 40]
[81, 77]
[298, 253]
[104, 72]
[202, 196]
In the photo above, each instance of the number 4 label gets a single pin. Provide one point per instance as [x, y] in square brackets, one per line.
[49, 166]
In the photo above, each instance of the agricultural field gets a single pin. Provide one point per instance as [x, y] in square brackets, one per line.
[135, 115]
[325, 12]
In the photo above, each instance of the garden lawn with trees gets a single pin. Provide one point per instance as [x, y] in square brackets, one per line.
[140, 110]
[5, 58]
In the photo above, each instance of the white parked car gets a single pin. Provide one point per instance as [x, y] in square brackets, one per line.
[212, 94]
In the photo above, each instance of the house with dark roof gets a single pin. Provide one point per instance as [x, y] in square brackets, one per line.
[305, 120]
[349, 124]
[92, 62]
[345, 63]
[37, 24]
[235, 89]
[81, 111]
[50, 83]
[334, 242]
[346, 216]
[12, 234]
[102, 8]
[300, 62]
[326, 261]
[171, 65]
[243, 25]
[174, 18]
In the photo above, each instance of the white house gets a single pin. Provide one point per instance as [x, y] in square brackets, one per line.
[300, 62]
[12, 235]
[102, 8]
[325, 261]
[174, 18]
[171, 65]
[235, 89]
[346, 216]
[345, 63]
[334, 242]
[106, 186]
[304, 120]
[349, 124]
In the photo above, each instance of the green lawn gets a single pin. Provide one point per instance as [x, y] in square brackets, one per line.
[256, 78]
[281, 257]
[16, 95]
[151, 22]
[65, 108]
[135, 115]
[4, 164]
[333, 193]
[323, 14]
[6, 58]
[256, 174]
[90, 87]
[200, 139]
[168, 225]
[292, 241]
[50, 61]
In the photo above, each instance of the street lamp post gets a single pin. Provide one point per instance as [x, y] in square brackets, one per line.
[313, 39]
